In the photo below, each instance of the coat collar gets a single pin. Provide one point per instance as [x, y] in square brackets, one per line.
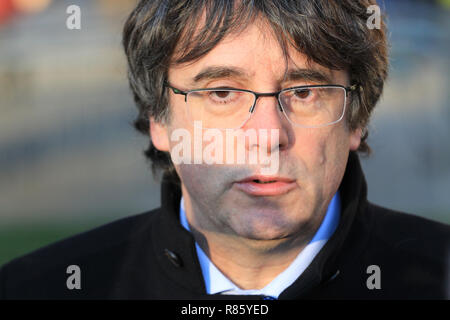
[175, 247]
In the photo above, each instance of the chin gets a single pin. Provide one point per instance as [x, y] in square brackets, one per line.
[264, 236]
[263, 226]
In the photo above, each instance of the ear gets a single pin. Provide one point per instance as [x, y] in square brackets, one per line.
[355, 139]
[159, 135]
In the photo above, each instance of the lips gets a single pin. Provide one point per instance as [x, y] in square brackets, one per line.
[265, 185]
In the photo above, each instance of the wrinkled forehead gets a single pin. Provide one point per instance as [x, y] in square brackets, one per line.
[210, 26]
[253, 53]
[201, 39]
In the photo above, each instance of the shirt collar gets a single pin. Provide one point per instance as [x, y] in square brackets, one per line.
[217, 282]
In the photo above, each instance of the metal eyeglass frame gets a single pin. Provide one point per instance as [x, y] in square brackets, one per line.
[348, 90]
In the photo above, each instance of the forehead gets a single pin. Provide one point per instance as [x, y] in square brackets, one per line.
[256, 53]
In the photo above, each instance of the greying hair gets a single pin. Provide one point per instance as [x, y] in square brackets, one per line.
[334, 34]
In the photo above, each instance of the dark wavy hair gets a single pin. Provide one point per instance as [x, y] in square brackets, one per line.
[333, 34]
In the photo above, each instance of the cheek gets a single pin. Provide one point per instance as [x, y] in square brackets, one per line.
[193, 180]
[324, 152]
[335, 150]
[312, 147]
[334, 143]
[209, 181]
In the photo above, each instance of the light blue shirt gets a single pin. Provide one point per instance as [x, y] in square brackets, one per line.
[217, 282]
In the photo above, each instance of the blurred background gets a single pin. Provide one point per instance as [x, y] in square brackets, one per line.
[70, 159]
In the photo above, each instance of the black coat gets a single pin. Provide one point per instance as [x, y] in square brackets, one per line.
[151, 256]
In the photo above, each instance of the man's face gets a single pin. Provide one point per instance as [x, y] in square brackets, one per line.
[312, 161]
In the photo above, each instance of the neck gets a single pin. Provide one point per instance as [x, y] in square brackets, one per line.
[249, 263]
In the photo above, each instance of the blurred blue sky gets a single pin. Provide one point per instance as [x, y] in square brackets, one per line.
[68, 151]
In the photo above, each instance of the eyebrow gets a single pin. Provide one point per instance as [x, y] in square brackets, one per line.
[219, 72]
[313, 75]
[223, 72]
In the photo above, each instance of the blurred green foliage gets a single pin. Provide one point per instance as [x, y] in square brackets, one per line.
[19, 239]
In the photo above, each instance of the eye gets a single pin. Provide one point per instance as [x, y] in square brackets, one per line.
[302, 93]
[221, 94]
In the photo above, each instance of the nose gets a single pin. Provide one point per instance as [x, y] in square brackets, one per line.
[266, 117]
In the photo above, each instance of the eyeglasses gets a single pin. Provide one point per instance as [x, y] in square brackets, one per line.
[311, 106]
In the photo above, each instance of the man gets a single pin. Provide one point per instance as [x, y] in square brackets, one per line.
[297, 225]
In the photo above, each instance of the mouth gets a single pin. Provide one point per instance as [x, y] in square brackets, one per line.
[265, 185]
